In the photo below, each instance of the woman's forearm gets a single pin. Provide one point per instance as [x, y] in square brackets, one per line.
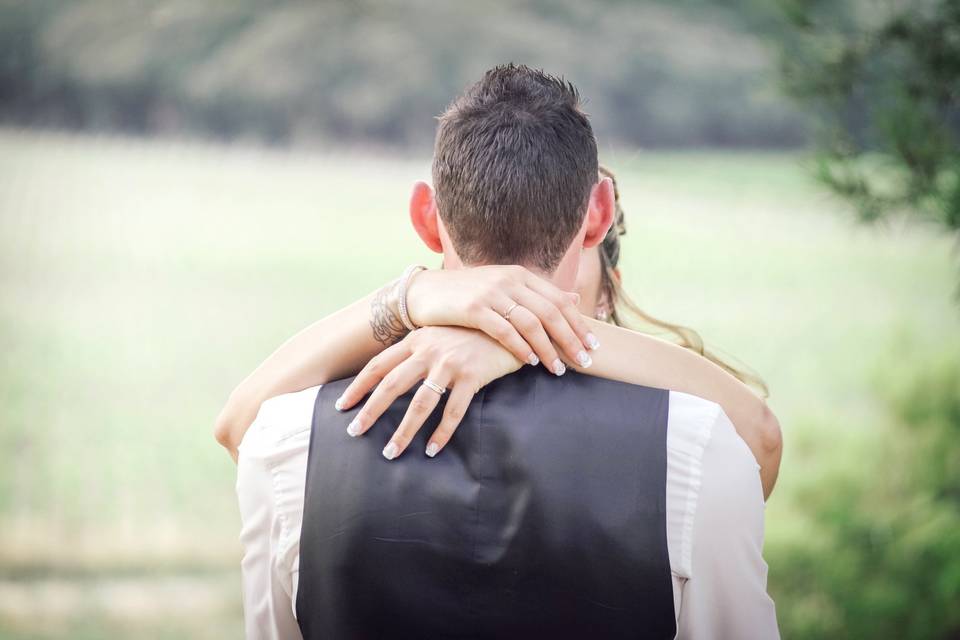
[341, 344]
[636, 358]
[332, 348]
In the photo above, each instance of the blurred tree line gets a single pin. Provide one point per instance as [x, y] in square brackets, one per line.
[655, 73]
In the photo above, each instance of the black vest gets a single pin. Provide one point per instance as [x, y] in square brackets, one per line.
[544, 517]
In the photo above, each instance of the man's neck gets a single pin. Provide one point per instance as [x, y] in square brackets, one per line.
[564, 276]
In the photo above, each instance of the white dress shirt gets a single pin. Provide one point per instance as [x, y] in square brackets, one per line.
[715, 514]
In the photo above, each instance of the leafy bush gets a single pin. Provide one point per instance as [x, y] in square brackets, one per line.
[883, 560]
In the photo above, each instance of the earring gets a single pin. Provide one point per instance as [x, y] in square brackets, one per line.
[601, 313]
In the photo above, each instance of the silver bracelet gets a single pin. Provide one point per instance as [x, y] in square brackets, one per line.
[402, 285]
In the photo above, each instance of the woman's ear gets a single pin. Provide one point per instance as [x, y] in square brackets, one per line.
[600, 212]
[423, 215]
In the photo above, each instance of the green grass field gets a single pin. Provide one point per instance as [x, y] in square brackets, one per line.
[139, 281]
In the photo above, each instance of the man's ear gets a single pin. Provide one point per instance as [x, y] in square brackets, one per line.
[600, 212]
[423, 215]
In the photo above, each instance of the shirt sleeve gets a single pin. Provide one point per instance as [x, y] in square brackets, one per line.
[271, 466]
[726, 593]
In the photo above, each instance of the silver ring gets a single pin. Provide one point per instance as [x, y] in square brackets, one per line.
[506, 315]
[433, 386]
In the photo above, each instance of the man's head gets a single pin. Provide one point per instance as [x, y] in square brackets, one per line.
[515, 173]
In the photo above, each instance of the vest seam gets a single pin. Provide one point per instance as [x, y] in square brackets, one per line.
[314, 420]
[476, 523]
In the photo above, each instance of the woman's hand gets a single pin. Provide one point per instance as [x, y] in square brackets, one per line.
[462, 360]
[515, 307]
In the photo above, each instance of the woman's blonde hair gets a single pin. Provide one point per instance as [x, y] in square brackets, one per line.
[620, 304]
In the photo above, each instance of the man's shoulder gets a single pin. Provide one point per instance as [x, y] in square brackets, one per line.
[691, 408]
[700, 437]
[690, 422]
[281, 419]
[695, 422]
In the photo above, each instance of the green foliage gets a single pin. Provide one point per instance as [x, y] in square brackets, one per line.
[884, 81]
[885, 560]
[882, 559]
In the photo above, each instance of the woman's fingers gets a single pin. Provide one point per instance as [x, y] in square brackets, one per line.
[371, 374]
[424, 401]
[394, 384]
[460, 397]
[528, 324]
[500, 329]
[563, 301]
[550, 319]
[556, 313]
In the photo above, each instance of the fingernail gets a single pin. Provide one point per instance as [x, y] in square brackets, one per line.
[338, 405]
[354, 427]
[592, 341]
[432, 449]
[576, 297]
[558, 367]
[390, 451]
[533, 359]
[584, 359]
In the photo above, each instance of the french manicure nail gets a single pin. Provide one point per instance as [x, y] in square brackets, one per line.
[354, 427]
[558, 367]
[338, 405]
[432, 449]
[533, 359]
[592, 341]
[390, 451]
[584, 359]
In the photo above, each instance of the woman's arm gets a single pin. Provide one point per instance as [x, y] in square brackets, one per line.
[329, 349]
[340, 344]
[466, 361]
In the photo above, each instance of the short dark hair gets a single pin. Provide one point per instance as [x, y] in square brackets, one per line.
[514, 163]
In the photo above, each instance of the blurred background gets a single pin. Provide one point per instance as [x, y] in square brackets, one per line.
[185, 184]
